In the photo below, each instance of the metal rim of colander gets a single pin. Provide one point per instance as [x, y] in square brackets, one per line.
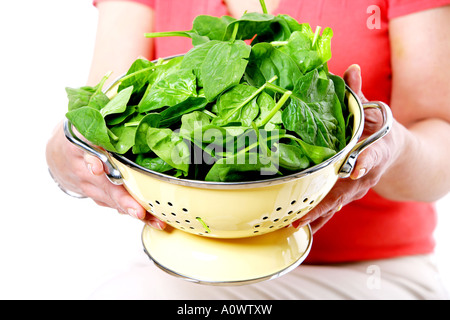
[357, 133]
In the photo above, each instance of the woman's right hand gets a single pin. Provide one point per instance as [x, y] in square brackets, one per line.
[83, 174]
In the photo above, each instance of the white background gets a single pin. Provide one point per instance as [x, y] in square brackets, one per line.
[53, 246]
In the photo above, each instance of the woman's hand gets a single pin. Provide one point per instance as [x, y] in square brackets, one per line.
[369, 168]
[83, 174]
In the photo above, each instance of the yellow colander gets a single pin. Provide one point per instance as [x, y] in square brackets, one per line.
[234, 233]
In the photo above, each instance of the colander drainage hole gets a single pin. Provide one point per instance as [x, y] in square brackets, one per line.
[279, 208]
[293, 202]
[157, 202]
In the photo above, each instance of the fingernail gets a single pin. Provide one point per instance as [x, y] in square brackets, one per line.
[156, 224]
[357, 67]
[361, 173]
[89, 166]
[133, 212]
[301, 223]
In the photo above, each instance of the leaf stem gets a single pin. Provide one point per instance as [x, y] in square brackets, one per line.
[136, 72]
[257, 92]
[203, 224]
[235, 30]
[112, 135]
[263, 6]
[316, 35]
[277, 107]
[168, 34]
[279, 43]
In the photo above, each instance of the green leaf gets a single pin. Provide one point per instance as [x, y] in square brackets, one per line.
[292, 157]
[173, 114]
[266, 62]
[153, 163]
[309, 50]
[140, 143]
[230, 107]
[170, 147]
[138, 75]
[126, 135]
[242, 167]
[91, 125]
[118, 104]
[169, 91]
[193, 60]
[224, 67]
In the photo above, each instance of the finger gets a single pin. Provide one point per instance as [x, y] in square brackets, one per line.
[154, 222]
[353, 78]
[367, 160]
[94, 165]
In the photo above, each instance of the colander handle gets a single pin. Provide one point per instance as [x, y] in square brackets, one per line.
[112, 173]
[349, 164]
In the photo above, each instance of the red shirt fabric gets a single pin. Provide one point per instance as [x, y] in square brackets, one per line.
[373, 227]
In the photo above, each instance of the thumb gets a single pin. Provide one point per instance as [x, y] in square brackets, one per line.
[353, 78]
[94, 165]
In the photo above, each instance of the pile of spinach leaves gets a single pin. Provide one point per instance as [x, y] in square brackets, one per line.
[252, 100]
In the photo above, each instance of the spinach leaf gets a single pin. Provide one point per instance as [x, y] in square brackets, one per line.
[118, 104]
[169, 91]
[194, 59]
[170, 147]
[250, 24]
[266, 105]
[242, 167]
[224, 66]
[91, 125]
[309, 50]
[174, 114]
[204, 29]
[191, 122]
[153, 163]
[313, 122]
[292, 157]
[266, 61]
[137, 76]
[126, 135]
[151, 120]
[87, 96]
[230, 106]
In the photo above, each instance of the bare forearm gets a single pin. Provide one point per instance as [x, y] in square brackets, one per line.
[420, 170]
[120, 38]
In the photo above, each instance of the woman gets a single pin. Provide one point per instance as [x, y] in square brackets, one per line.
[386, 217]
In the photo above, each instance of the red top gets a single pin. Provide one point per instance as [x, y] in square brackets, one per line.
[373, 227]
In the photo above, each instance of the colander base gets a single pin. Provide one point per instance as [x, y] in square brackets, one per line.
[227, 261]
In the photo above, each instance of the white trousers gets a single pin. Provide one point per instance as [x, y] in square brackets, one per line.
[405, 278]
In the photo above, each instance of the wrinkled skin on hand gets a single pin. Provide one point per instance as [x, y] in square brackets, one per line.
[81, 173]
